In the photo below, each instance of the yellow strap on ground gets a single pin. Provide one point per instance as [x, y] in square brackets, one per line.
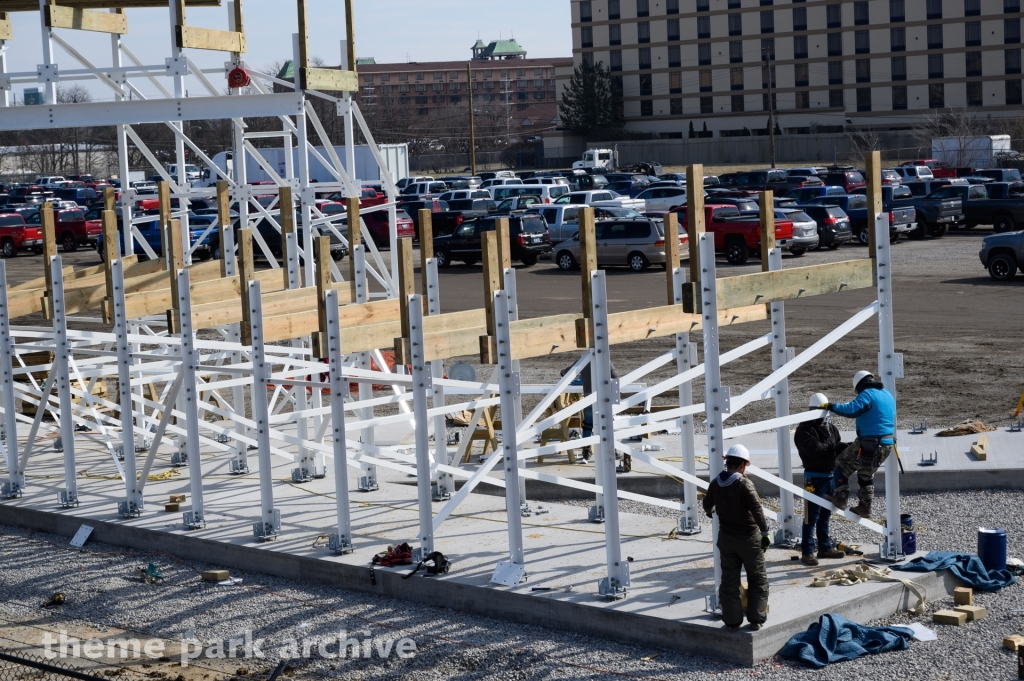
[1020, 406]
[861, 574]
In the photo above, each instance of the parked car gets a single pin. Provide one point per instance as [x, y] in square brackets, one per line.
[406, 181]
[517, 203]
[890, 176]
[805, 194]
[499, 182]
[833, 225]
[376, 224]
[938, 168]
[902, 218]
[548, 193]
[16, 236]
[424, 189]
[1002, 255]
[663, 198]
[737, 237]
[528, 236]
[1000, 174]
[747, 207]
[847, 179]
[69, 226]
[461, 194]
[775, 180]
[676, 177]
[910, 173]
[49, 180]
[150, 231]
[562, 221]
[934, 215]
[636, 243]
[601, 198]
[805, 230]
[630, 188]
[806, 172]
[1005, 215]
[926, 187]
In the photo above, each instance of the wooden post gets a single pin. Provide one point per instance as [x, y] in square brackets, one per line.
[767, 214]
[223, 215]
[163, 191]
[588, 263]
[245, 274]
[49, 250]
[695, 224]
[287, 220]
[303, 40]
[873, 163]
[111, 252]
[109, 198]
[492, 283]
[671, 252]
[322, 253]
[406, 288]
[350, 33]
[355, 234]
[504, 248]
[175, 261]
[426, 250]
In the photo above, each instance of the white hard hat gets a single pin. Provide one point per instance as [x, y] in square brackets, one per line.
[740, 452]
[817, 400]
[860, 376]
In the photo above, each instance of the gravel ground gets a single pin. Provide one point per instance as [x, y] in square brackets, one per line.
[104, 594]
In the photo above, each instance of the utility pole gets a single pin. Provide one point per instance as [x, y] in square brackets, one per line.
[472, 126]
[767, 57]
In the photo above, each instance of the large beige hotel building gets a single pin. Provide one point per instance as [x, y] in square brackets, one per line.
[882, 64]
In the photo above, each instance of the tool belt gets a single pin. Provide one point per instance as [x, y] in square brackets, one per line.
[869, 452]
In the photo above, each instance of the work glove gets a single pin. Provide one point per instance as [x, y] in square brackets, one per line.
[827, 406]
[765, 541]
[710, 513]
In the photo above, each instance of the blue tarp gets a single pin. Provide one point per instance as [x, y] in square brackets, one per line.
[964, 566]
[836, 639]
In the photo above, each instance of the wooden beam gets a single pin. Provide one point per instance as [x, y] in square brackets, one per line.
[33, 5]
[355, 232]
[793, 283]
[246, 268]
[695, 226]
[239, 17]
[49, 250]
[658, 322]
[196, 38]
[57, 16]
[111, 252]
[303, 39]
[163, 194]
[671, 226]
[766, 211]
[329, 80]
[350, 34]
[286, 218]
[175, 262]
[874, 194]
[588, 263]
[109, 198]
[6, 30]
[426, 223]
[501, 229]
[222, 301]
[543, 336]
[406, 288]
[322, 253]
[492, 283]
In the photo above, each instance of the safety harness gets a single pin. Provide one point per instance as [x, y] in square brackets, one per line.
[435, 563]
[395, 555]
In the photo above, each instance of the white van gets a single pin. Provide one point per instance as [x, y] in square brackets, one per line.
[499, 182]
[547, 180]
[406, 181]
[912, 173]
[424, 188]
[547, 193]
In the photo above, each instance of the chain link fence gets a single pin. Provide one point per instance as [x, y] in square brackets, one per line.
[30, 668]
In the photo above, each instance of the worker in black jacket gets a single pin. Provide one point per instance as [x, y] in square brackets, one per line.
[818, 444]
[742, 540]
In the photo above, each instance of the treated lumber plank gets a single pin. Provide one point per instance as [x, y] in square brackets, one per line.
[457, 343]
[80, 19]
[6, 30]
[329, 80]
[796, 282]
[275, 303]
[203, 290]
[30, 6]
[588, 263]
[455, 321]
[543, 336]
[668, 320]
[198, 38]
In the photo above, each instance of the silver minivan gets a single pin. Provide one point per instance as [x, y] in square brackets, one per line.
[637, 244]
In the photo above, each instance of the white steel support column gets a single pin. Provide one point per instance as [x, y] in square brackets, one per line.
[5, 98]
[716, 397]
[890, 367]
[47, 75]
[686, 359]
[421, 383]
[445, 481]
[15, 484]
[368, 481]
[615, 585]
[128, 247]
[304, 471]
[342, 541]
[270, 519]
[512, 571]
[189, 400]
[61, 357]
[790, 531]
[133, 502]
[179, 142]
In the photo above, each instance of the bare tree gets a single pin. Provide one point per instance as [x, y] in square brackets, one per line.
[959, 128]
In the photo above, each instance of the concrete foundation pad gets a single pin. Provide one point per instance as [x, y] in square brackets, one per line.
[565, 555]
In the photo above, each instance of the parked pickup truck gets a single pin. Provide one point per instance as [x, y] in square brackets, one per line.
[459, 211]
[528, 236]
[563, 221]
[1002, 255]
[736, 237]
[71, 228]
[934, 216]
[150, 230]
[15, 235]
[601, 197]
[902, 219]
[1005, 215]
[776, 180]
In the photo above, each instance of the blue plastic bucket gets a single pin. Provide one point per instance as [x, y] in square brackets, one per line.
[907, 522]
[992, 547]
[909, 543]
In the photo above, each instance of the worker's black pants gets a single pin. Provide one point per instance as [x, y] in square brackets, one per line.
[742, 551]
[850, 462]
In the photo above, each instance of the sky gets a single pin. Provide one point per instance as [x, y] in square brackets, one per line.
[388, 30]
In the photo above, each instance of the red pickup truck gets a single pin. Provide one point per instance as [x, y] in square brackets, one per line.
[738, 238]
[16, 235]
[72, 228]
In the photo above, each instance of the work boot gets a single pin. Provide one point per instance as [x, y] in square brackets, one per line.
[832, 553]
[839, 499]
[755, 626]
[863, 509]
[586, 454]
[809, 559]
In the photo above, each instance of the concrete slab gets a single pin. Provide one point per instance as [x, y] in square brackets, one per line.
[565, 553]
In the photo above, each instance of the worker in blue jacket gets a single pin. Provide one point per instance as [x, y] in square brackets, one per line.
[875, 411]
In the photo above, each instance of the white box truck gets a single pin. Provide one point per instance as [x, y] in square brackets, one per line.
[979, 151]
